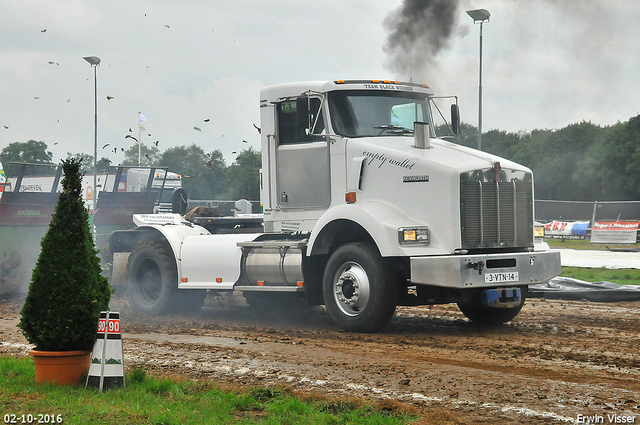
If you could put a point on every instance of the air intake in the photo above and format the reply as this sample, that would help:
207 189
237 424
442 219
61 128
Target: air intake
421 137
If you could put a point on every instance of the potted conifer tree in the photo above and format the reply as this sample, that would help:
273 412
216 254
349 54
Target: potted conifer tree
67 291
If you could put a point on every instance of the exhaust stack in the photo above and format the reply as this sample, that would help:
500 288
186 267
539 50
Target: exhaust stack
421 137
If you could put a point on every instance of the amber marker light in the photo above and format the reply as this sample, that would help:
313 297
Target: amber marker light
409 235
350 197
416 235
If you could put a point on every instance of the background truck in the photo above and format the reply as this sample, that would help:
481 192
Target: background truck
364 209
30 193
165 183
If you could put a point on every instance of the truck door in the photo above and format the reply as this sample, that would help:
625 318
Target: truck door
302 158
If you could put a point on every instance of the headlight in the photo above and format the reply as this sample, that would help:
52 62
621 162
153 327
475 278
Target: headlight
414 235
538 232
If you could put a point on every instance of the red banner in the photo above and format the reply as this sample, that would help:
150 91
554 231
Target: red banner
621 232
616 225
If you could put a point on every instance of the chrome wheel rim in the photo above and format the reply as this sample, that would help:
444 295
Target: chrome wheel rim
351 288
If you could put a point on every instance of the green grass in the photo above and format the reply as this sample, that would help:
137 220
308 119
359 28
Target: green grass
151 400
620 276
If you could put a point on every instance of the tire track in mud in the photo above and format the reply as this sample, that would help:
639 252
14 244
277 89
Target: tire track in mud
551 363
556 360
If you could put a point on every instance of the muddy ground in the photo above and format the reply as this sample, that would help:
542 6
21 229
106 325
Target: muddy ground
556 361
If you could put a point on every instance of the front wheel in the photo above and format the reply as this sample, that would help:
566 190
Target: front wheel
359 289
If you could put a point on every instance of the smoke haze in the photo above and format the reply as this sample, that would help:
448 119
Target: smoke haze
417 31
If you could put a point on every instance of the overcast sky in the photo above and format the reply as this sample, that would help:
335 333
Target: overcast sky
546 64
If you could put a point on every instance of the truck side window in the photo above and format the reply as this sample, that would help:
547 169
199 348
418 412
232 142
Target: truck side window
290 131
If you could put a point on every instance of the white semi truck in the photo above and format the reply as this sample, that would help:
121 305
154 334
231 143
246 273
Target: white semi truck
364 209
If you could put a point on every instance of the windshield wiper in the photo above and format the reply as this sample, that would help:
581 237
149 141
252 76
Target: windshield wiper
392 129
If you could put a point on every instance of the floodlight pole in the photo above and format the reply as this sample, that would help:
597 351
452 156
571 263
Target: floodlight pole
481 16
95 62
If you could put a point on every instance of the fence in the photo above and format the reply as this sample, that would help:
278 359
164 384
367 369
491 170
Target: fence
586 211
567 211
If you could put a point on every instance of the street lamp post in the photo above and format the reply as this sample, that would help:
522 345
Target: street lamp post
481 16
95 62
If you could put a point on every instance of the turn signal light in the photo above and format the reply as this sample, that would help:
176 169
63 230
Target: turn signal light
414 235
350 197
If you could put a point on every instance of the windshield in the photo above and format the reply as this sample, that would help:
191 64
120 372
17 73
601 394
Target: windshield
359 113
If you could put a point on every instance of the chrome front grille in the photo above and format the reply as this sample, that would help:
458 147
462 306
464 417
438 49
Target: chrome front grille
496 214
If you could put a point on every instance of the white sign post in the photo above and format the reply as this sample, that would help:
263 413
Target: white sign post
107 363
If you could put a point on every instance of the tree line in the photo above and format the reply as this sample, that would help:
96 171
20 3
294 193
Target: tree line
580 162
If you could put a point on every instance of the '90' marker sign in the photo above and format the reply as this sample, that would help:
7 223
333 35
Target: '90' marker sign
112 327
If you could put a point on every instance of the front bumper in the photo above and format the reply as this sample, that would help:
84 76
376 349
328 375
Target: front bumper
485 270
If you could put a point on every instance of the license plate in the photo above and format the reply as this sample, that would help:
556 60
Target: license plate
501 277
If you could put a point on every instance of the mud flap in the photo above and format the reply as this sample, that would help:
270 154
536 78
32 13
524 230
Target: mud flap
501 298
119 270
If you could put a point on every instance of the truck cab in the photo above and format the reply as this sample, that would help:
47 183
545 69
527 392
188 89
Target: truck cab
366 208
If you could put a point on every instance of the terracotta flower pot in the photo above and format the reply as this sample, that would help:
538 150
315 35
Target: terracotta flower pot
60 367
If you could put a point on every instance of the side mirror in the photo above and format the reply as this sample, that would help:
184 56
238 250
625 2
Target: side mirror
302 111
455 119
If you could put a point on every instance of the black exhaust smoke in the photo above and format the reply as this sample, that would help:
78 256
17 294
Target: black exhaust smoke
417 31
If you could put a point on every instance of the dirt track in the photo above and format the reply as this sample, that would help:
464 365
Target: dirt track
557 360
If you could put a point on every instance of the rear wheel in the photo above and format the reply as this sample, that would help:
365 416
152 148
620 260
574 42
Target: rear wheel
489 316
152 281
359 289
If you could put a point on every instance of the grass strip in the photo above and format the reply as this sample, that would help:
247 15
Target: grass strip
620 276
152 400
